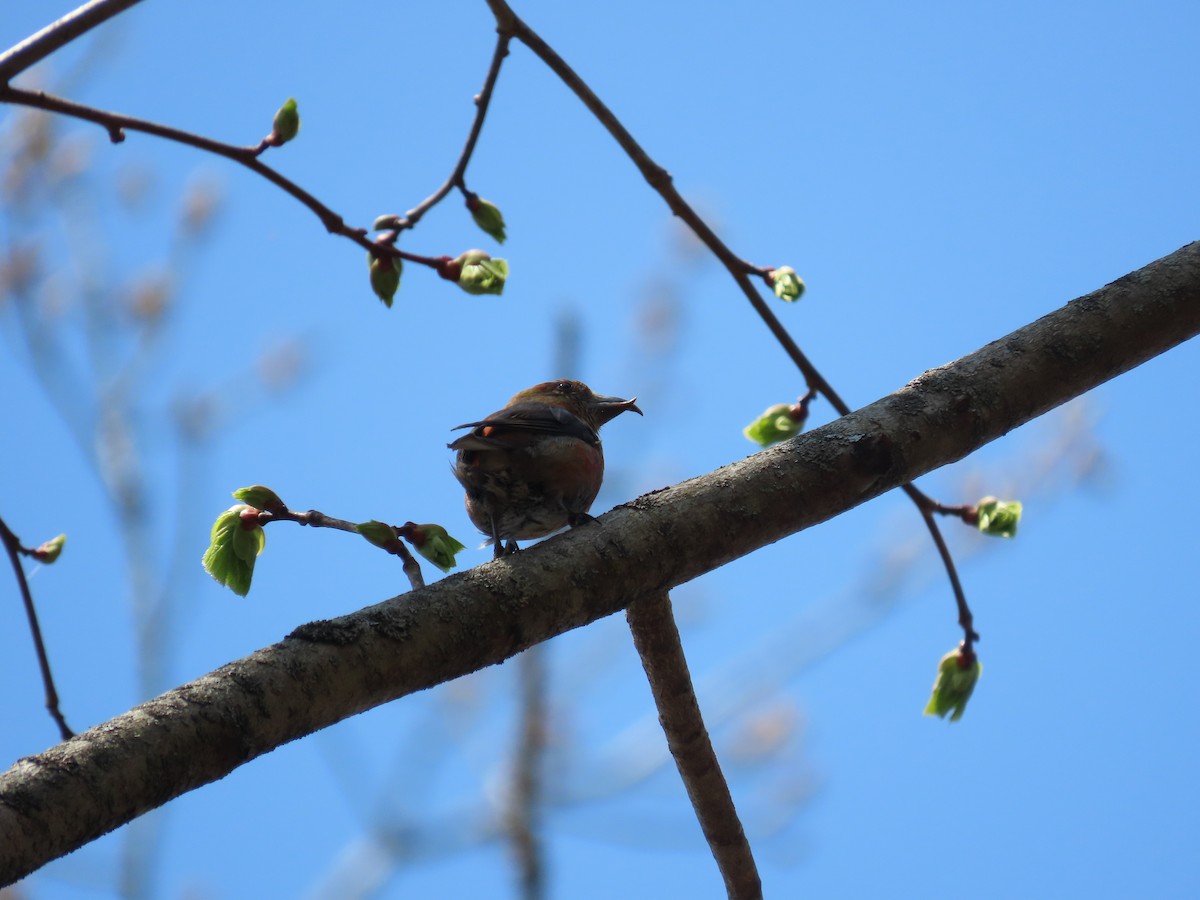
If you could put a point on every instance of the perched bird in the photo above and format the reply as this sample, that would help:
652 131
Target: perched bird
536 465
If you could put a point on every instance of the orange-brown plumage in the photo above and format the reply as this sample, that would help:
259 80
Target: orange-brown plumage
536 465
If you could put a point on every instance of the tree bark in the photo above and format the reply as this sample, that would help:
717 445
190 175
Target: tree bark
325 671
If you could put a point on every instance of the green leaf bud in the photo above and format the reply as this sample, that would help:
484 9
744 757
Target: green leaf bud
774 425
286 125
787 284
378 533
480 274
998 517
386 223
260 497
51 550
487 216
385 276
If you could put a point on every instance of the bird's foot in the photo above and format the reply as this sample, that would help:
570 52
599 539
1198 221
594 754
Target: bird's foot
503 549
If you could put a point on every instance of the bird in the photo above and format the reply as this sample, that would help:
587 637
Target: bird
536 465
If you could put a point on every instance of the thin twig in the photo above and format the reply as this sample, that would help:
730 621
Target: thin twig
13 547
928 507
458 175
739 269
116 124
660 180
657 640
38 46
412 569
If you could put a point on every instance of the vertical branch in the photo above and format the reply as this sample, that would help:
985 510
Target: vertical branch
526 797
526 794
13 547
657 640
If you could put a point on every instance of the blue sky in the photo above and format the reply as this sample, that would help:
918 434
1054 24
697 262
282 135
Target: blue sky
939 175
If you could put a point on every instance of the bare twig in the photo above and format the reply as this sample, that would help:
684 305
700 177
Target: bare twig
13 547
965 620
458 175
657 640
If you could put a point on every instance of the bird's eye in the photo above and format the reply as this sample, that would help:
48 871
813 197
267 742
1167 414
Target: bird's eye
564 387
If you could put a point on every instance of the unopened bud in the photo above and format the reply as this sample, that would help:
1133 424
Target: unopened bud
378 533
385 276
286 124
51 550
260 497
487 216
386 223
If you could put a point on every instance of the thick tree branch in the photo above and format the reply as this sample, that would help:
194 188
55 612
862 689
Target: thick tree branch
324 672
656 637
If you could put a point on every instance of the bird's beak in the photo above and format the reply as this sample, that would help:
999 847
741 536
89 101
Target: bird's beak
608 408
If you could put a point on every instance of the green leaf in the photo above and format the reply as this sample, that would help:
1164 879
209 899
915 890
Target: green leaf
233 548
435 544
955 682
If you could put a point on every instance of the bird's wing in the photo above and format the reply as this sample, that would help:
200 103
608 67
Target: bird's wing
522 423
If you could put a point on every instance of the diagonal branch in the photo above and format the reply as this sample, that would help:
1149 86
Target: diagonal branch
660 180
116 124
58 34
324 672
656 637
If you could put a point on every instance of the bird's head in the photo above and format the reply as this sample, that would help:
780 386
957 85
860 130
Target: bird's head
577 398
